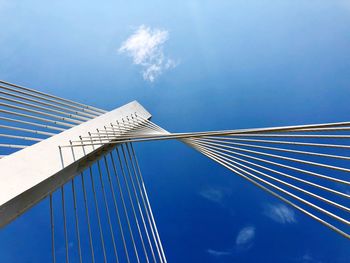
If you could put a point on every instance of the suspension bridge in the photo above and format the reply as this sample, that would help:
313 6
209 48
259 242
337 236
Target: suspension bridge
64 152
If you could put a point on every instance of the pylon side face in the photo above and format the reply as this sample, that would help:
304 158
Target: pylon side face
31 174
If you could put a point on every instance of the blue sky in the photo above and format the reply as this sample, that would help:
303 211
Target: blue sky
233 64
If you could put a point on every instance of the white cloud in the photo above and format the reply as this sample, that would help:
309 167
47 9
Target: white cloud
307 258
245 236
280 213
145 47
244 241
216 194
217 253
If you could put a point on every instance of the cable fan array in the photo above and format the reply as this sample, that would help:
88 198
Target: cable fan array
107 203
305 166
108 206
29 116
118 216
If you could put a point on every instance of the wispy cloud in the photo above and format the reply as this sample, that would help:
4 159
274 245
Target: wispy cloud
146 48
244 241
217 253
245 237
280 213
216 194
307 258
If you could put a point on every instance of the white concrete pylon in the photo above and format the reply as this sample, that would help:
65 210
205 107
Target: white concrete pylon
31 174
